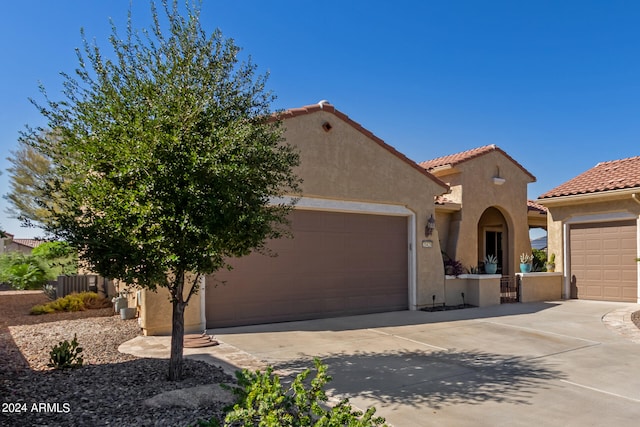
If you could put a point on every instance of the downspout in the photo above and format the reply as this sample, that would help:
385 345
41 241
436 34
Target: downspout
635 197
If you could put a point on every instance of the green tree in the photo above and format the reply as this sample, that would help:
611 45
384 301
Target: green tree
28 175
60 257
168 161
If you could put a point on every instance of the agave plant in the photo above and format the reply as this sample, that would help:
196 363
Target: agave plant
491 259
526 258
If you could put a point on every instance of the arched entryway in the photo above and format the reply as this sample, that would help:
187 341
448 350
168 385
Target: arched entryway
493 239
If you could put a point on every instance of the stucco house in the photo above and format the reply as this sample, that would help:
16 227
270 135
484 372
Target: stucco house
369 232
25 246
358 232
593 230
486 211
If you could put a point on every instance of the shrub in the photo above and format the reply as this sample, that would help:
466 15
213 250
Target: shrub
539 260
66 355
263 401
22 271
41 309
452 267
73 302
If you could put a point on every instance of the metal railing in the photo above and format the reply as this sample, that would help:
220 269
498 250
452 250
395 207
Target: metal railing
509 290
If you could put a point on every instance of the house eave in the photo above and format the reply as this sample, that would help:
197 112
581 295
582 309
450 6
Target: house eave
589 197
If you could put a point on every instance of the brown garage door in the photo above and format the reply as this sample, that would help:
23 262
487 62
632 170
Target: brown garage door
336 264
603 265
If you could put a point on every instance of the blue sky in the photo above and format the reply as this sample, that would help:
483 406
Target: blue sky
554 84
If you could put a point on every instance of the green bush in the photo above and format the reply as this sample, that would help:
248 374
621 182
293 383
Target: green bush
41 309
263 401
73 302
22 271
539 260
60 257
66 355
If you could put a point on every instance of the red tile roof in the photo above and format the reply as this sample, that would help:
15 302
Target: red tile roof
457 158
533 206
326 107
605 176
32 243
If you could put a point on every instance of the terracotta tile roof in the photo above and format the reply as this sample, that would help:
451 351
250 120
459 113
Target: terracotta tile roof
31 243
605 176
457 158
533 206
326 107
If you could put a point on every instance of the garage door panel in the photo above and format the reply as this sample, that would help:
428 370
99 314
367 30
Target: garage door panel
602 260
336 264
610 260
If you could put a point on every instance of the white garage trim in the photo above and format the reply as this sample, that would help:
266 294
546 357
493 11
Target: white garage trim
311 203
595 218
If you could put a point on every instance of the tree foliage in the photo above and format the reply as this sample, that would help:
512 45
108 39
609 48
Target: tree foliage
167 160
22 271
45 262
29 173
61 258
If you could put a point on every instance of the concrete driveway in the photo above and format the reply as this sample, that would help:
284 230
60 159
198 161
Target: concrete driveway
568 363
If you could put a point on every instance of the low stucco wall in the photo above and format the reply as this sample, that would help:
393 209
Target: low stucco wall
453 289
481 290
155 310
540 286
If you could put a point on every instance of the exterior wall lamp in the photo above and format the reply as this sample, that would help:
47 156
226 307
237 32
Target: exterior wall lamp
498 180
431 225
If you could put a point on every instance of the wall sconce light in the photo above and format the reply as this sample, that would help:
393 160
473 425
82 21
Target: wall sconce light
431 225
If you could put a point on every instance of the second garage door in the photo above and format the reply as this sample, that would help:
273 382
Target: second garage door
336 264
603 261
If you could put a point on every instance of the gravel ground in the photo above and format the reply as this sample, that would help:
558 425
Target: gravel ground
111 387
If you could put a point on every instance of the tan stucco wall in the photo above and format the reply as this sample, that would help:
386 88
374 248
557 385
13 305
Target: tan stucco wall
478 193
155 312
345 164
481 290
540 287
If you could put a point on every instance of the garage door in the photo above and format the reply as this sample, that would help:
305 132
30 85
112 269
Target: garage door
603 265
336 264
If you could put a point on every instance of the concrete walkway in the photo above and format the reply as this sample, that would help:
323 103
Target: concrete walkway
565 363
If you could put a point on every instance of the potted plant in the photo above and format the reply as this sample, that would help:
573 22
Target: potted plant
551 264
490 264
525 263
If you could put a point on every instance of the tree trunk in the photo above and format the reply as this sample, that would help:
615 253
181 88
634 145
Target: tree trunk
177 330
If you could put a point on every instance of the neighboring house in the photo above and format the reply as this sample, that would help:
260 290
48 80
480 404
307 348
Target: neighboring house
487 211
11 244
593 230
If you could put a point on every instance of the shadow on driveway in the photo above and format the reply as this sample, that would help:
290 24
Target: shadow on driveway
387 319
433 379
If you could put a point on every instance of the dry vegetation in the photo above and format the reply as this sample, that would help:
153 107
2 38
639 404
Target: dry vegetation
110 389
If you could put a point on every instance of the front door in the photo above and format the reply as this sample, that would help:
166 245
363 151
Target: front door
493 246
